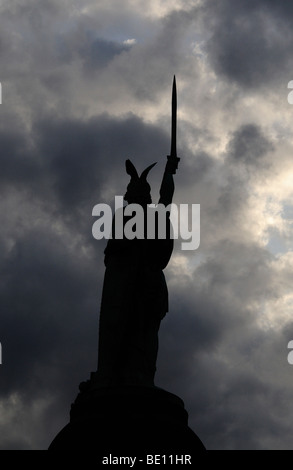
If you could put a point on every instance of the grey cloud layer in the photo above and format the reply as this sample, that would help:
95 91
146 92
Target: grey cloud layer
57 163
251 41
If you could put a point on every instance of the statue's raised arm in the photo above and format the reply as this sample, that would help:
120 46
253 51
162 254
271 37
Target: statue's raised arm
167 185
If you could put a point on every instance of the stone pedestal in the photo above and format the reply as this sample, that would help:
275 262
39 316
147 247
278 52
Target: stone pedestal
127 419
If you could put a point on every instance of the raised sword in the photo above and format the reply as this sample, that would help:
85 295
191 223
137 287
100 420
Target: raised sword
172 158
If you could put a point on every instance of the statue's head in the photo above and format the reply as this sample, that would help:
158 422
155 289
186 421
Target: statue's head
138 190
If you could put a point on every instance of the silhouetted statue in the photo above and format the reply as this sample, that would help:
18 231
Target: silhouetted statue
135 296
119 408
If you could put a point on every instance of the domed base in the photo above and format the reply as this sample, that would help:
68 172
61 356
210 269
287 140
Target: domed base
131 419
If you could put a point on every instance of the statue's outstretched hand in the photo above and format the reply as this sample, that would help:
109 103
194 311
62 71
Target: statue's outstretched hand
172 164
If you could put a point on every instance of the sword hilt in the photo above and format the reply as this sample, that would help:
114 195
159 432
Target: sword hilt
172 164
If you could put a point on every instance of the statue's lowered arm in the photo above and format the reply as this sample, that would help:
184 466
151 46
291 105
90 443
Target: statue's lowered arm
167 186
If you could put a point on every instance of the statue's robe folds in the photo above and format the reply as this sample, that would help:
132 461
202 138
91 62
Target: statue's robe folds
134 301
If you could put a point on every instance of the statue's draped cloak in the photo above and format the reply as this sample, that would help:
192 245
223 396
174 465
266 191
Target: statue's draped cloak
134 301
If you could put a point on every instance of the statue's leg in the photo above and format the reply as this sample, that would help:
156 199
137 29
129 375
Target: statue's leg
113 327
151 342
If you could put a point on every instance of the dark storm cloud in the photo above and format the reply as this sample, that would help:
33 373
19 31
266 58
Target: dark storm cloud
94 52
238 405
47 288
83 159
249 145
71 162
101 52
17 162
251 42
219 356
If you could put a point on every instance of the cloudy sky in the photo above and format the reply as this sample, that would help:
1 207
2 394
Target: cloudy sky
87 84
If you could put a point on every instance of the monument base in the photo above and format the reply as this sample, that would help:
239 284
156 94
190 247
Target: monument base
133 419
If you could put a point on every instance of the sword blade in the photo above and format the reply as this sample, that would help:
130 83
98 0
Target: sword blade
173 152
